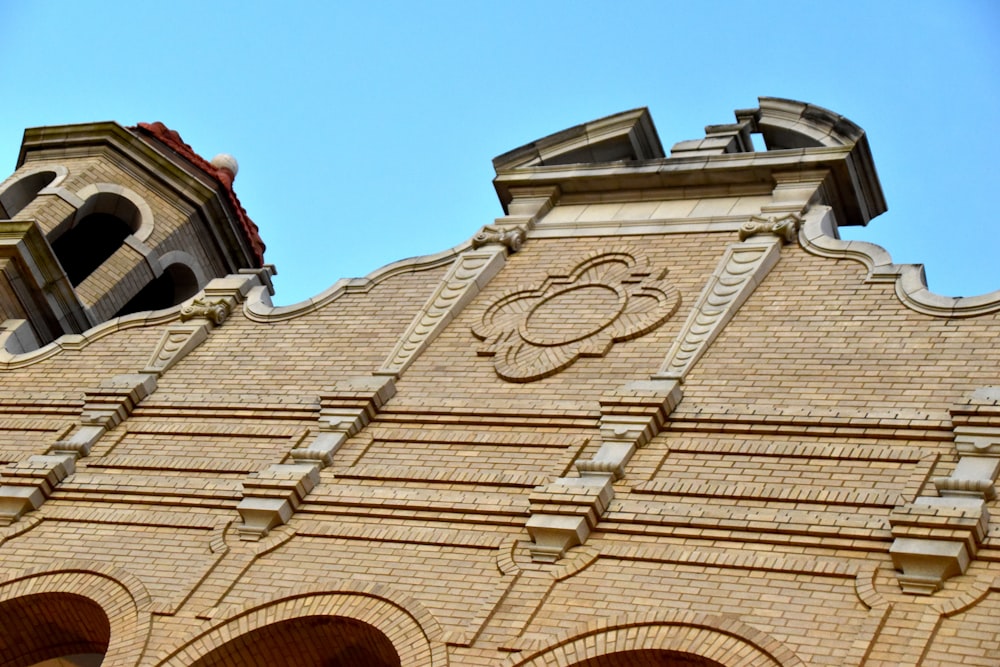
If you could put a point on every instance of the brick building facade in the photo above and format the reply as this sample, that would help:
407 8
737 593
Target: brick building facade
656 414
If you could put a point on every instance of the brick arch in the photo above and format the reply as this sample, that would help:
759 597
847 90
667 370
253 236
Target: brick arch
64 610
664 638
390 629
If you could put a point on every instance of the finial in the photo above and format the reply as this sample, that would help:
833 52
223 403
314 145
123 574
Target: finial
227 162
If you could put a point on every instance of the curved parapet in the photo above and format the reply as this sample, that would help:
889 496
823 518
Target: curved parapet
259 308
18 346
818 236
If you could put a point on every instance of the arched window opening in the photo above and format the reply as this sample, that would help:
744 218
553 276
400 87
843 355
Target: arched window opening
53 630
20 193
89 244
174 285
78 660
649 658
310 641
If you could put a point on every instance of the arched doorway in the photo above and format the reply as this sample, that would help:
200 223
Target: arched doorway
649 658
669 638
53 629
308 641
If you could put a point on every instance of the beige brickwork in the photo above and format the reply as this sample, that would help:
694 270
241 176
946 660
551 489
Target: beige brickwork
656 414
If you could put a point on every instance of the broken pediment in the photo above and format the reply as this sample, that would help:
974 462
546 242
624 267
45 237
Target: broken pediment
629 135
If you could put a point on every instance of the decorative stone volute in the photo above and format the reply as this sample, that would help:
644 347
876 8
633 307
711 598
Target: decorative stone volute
512 237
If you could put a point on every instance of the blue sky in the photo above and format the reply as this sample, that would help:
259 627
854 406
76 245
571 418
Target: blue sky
365 131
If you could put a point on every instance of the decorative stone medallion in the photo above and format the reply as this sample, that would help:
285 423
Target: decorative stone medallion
608 297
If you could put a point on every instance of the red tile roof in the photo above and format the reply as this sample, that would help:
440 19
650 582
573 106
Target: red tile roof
225 177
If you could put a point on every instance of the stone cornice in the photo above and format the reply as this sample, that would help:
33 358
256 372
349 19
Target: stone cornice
850 185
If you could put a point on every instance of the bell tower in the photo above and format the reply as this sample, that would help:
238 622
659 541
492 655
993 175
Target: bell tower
100 221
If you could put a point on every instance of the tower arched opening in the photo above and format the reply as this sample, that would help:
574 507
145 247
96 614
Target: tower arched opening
20 193
177 283
89 244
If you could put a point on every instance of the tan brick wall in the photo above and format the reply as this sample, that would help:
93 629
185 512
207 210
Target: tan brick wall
752 529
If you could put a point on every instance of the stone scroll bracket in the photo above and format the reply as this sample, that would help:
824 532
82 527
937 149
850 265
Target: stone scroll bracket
271 496
207 310
470 272
564 512
938 536
743 267
24 486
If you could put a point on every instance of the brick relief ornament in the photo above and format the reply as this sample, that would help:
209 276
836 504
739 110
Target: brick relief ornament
608 297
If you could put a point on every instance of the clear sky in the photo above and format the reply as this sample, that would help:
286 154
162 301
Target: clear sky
365 130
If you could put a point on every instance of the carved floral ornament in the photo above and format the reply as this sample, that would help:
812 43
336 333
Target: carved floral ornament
608 297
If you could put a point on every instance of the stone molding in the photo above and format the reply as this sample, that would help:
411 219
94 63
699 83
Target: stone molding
91 194
181 177
234 288
785 228
53 187
818 236
472 270
175 343
12 357
214 310
530 204
27 484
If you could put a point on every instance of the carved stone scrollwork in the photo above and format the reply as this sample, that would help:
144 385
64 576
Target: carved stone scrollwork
215 310
785 228
512 238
